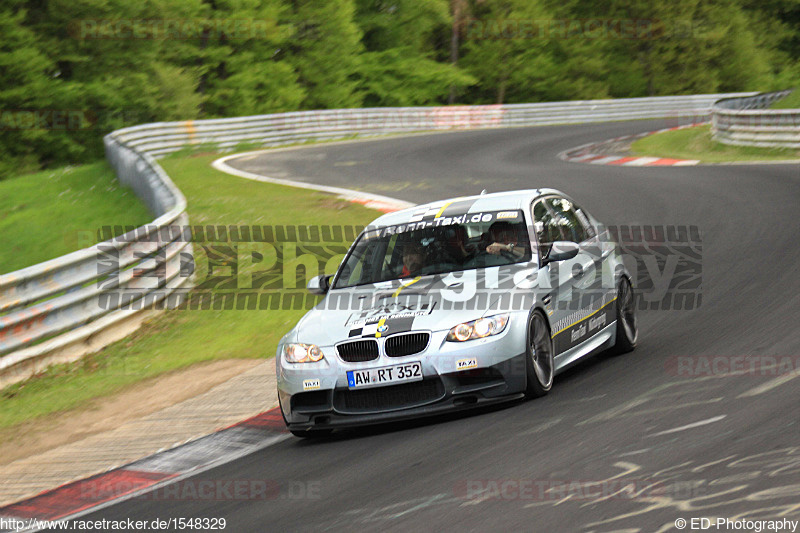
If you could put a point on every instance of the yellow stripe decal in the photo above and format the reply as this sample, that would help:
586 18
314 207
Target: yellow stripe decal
584 318
442 209
401 287
378 331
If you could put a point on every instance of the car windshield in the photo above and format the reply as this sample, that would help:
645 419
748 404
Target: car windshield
434 246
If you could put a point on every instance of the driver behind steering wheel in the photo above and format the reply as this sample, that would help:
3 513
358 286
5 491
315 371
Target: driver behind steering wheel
505 239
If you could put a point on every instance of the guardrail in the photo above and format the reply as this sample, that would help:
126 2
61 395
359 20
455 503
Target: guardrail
57 310
287 128
54 311
744 121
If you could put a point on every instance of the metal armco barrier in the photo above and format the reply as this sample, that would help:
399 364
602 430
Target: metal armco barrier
744 121
50 312
296 127
48 309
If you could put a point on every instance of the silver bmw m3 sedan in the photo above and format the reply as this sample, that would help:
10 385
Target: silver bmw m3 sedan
454 304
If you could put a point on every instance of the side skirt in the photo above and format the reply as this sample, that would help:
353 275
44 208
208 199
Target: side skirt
603 339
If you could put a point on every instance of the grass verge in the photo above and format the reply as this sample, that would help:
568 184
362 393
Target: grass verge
790 102
55 212
180 338
696 143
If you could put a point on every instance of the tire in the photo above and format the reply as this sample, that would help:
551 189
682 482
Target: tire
539 359
627 323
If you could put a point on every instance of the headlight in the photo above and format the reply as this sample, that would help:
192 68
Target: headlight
301 353
478 329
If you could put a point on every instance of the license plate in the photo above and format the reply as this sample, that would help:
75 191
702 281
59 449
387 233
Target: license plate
387 375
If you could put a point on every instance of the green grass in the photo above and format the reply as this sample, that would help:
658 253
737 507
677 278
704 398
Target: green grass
178 338
790 102
696 143
52 213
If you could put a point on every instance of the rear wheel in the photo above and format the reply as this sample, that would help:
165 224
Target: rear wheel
627 323
539 361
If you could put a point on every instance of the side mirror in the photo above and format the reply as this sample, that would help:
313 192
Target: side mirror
561 251
319 284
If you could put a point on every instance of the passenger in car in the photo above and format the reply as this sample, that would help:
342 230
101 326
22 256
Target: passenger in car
413 259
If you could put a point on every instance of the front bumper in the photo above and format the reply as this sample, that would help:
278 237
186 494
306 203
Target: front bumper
316 395
341 407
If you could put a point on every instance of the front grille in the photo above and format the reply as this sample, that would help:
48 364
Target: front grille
358 351
400 345
390 397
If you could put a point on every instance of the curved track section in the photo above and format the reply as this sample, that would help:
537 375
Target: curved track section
620 443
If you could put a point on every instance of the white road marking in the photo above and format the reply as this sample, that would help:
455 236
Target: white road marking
641 161
582 157
635 452
346 194
606 160
689 426
769 385
584 400
542 427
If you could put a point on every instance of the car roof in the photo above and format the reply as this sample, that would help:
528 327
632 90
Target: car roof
497 201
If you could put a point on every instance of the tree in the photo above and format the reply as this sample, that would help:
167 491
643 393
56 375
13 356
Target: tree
245 71
25 87
520 52
326 53
400 65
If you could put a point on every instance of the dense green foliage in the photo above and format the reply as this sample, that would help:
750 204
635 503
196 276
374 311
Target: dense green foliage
102 64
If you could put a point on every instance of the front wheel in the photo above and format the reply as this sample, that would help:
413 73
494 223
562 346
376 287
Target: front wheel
627 324
539 361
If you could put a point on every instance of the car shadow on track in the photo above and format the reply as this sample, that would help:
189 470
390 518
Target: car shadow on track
572 376
384 428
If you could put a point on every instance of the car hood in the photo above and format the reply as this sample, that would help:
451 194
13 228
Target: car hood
433 302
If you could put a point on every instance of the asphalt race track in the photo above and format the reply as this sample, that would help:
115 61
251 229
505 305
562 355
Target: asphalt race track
620 443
